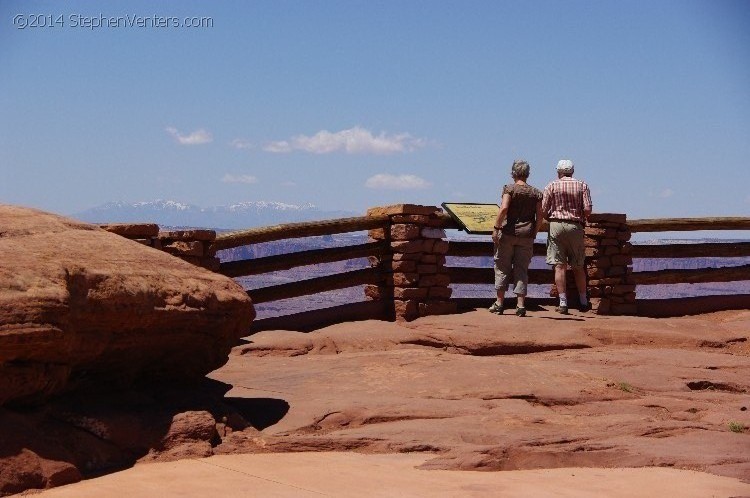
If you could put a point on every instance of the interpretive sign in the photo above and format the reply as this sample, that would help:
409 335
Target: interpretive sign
473 217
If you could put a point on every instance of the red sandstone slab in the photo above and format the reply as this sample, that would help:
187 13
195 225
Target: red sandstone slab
410 292
351 474
608 217
193 234
183 247
403 209
404 231
411 246
132 230
420 219
481 391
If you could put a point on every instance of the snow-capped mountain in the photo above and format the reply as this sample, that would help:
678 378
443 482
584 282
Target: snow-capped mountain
234 216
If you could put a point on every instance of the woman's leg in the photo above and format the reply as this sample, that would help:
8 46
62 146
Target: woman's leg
503 268
523 250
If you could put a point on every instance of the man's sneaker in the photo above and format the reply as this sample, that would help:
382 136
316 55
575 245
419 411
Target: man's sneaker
496 308
583 308
520 311
563 310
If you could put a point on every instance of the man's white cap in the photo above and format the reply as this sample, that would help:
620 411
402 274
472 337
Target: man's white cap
565 166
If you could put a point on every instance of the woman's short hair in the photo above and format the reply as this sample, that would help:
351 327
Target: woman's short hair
520 169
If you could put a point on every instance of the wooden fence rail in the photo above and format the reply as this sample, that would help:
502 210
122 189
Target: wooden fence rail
689 224
315 285
280 262
480 248
703 250
693 276
699 304
293 230
462 275
659 224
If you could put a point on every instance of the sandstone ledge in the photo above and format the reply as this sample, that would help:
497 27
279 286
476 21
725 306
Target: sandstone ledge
475 391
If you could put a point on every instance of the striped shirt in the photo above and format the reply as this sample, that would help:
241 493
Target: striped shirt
566 199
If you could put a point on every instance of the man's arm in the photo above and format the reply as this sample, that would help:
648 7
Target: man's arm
587 205
546 202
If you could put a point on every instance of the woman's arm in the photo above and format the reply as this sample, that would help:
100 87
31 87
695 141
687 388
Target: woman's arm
539 217
501 216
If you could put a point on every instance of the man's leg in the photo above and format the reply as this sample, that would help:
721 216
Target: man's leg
556 255
560 283
578 259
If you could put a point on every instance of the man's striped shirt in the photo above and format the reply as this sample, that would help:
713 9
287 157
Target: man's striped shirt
566 199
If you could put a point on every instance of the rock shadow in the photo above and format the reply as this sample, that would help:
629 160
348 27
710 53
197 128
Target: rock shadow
97 431
260 413
564 318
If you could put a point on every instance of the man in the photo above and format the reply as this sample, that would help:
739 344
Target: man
567 204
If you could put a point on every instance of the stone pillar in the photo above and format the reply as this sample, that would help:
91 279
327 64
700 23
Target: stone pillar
193 246
415 278
609 265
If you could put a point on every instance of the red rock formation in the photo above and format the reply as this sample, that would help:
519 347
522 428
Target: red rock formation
477 391
81 306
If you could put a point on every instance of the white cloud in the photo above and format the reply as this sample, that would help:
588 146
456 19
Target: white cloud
667 192
288 184
355 140
397 182
228 178
278 147
241 143
197 137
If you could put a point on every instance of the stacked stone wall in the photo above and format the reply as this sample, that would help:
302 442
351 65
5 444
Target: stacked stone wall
193 246
609 263
413 267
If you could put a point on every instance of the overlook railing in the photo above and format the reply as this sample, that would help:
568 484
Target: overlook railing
393 264
685 305
310 319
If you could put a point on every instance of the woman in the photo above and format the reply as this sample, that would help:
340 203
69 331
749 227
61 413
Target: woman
521 212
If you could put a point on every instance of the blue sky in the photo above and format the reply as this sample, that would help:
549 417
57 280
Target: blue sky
353 104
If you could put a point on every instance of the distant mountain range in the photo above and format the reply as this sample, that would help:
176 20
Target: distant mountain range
234 216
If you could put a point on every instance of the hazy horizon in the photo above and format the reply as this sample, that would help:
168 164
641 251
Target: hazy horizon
348 105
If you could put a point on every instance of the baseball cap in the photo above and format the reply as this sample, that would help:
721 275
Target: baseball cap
565 165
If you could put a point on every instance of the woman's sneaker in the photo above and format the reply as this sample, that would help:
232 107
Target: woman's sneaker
563 310
520 311
496 308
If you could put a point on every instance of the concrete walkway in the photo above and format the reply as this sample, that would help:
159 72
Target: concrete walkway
386 475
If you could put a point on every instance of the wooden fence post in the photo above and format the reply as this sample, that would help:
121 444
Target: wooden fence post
415 278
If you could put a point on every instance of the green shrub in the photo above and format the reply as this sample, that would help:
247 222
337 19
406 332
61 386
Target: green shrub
736 427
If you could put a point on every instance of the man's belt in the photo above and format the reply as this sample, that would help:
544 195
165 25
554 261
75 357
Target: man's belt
559 220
